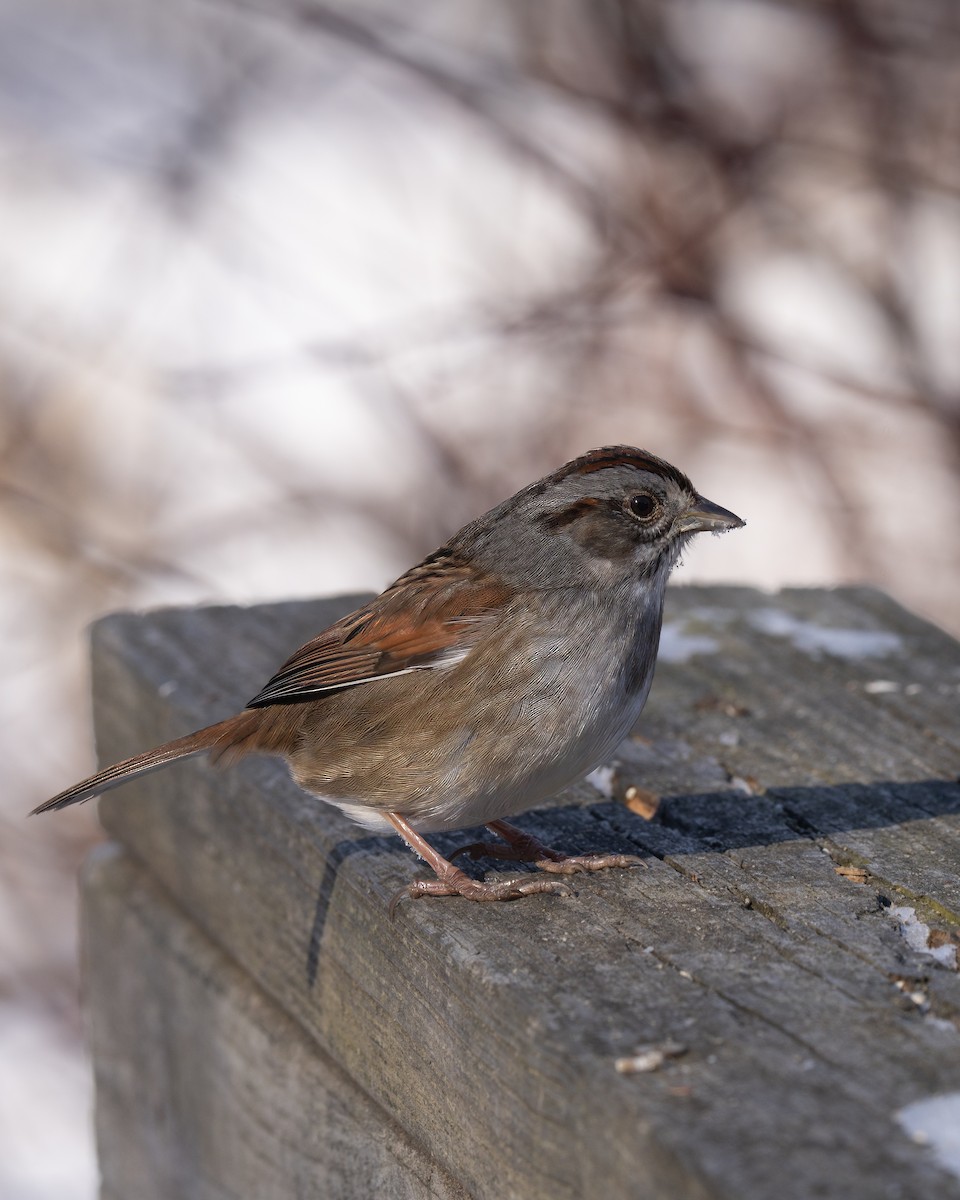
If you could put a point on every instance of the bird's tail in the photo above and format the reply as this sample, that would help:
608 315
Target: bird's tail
226 740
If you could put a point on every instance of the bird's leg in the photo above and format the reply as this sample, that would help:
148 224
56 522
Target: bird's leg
524 847
451 881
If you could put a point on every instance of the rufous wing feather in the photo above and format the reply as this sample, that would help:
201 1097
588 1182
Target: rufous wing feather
415 625
429 618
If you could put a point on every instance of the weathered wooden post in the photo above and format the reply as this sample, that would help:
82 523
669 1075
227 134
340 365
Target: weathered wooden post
743 1019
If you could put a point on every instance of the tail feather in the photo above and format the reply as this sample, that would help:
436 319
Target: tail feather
218 738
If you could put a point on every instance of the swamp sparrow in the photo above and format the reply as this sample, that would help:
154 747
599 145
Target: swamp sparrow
505 666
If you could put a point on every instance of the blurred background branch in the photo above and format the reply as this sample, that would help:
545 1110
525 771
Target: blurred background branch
290 290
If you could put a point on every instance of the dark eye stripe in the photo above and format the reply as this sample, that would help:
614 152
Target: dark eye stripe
566 516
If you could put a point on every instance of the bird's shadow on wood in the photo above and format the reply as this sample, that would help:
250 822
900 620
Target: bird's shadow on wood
699 823
337 856
374 844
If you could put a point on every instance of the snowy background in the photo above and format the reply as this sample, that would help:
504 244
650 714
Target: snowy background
290 290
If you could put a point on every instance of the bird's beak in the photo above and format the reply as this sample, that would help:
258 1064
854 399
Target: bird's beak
703 516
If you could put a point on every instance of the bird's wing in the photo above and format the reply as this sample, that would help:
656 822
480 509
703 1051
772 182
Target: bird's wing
429 618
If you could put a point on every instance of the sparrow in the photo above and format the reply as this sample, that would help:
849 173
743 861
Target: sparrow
503 667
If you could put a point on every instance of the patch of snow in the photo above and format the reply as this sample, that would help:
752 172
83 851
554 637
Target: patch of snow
917 936
935 1122
46 1097
679 647
602 780
817 640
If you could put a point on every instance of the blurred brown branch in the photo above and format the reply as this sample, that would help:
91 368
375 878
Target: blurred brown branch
727 229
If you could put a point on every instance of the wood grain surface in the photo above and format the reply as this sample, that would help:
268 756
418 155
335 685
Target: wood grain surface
799 756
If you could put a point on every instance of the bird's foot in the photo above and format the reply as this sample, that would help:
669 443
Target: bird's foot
519 846
451 881
573 864
456 883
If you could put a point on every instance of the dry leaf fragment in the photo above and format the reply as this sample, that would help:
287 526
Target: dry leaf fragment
854 874
649 1058
642 801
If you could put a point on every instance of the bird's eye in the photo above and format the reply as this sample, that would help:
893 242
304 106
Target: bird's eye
643 506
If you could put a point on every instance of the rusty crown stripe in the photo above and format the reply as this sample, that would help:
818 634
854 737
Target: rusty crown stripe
623 456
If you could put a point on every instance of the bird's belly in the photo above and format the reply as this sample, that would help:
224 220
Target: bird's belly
548 750
518 746
461 800
487 777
